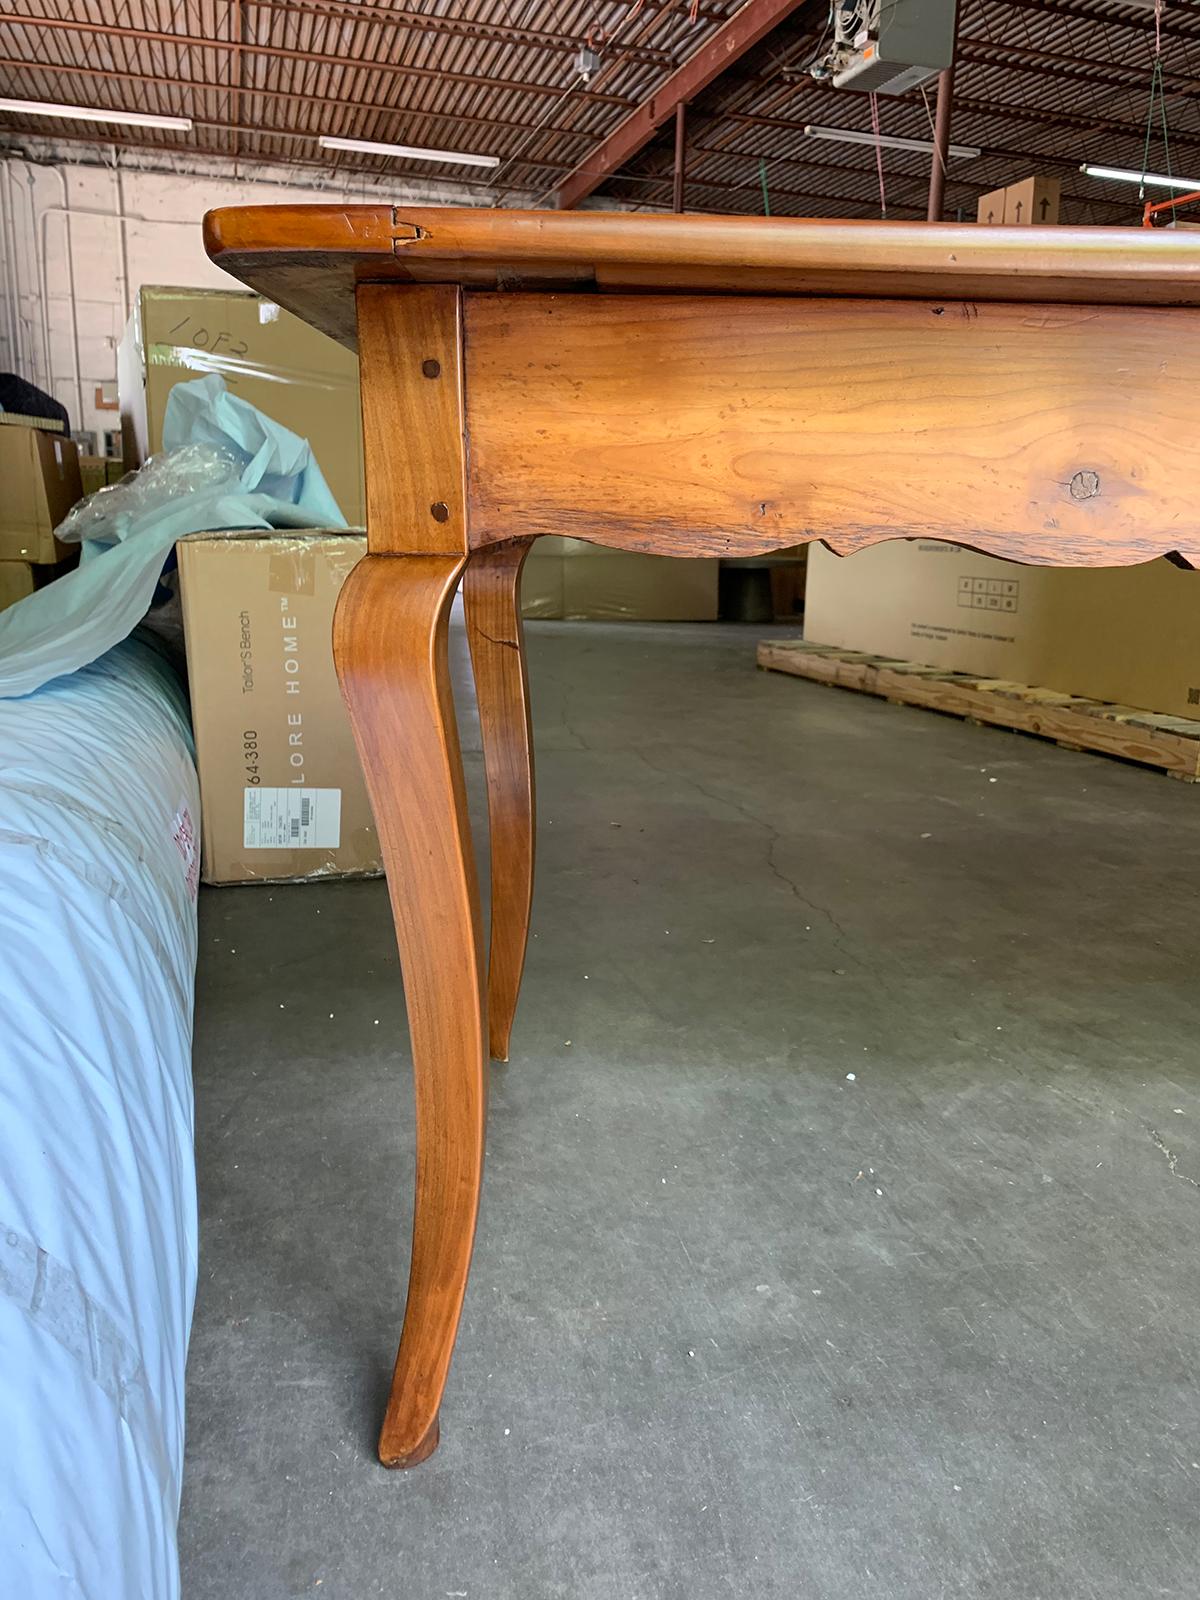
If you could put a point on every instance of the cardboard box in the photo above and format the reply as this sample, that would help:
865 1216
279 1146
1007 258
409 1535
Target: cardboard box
21 578
570 578
16 581
40 474
1130 635
788 582
294 374
93 471
991 207
282 792
542 583
1032 203
17 419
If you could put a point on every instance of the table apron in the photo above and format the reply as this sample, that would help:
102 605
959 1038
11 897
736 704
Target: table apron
695 425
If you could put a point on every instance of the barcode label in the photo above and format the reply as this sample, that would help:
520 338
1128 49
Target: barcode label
292 819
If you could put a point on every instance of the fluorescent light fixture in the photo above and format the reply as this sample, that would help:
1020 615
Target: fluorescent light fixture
124 119
1153 180
965 152
408 151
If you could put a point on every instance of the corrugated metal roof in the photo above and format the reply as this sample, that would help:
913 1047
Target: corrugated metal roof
1041 85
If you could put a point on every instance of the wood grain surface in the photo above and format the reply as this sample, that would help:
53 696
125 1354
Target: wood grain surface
412 405
390 646
492 603
693 426
309 258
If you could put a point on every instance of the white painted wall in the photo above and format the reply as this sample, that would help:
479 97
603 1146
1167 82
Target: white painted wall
77 241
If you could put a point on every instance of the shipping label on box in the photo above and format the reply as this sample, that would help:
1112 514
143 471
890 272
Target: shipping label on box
291 819
282 791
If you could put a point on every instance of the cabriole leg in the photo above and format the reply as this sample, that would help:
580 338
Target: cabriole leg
390 645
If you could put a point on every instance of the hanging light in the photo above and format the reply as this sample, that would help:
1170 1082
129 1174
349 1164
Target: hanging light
1151 180
407 151
965 152
124 119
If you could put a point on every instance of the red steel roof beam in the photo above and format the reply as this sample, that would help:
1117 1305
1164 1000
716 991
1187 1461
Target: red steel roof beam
741 33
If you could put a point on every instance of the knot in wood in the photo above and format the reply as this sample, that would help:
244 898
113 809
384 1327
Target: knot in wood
1085 484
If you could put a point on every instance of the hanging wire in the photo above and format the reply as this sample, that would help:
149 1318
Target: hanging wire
575 87
1158 95
878 155
937 154
762 178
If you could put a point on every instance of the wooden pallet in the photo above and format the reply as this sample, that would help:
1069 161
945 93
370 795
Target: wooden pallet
1169 743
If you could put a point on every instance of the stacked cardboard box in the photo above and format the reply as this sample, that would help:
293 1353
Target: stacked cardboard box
1033 203
40 473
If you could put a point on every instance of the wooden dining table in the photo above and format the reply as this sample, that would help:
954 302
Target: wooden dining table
684 385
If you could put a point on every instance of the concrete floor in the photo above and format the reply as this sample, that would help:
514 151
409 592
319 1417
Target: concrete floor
839 1232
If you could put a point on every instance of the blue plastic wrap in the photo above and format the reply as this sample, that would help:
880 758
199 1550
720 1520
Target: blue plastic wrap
99 811
223 465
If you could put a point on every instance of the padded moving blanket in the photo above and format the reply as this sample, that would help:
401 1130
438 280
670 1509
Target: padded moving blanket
99 829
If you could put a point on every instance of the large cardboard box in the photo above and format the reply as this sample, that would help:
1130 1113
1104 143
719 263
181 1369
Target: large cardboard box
21 578
294 374
93 472
282 793
586 582
39 472
1129 635
16 581
1033 203
542 581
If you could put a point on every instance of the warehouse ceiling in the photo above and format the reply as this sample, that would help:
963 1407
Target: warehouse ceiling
1041 86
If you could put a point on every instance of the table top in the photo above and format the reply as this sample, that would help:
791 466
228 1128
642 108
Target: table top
309 259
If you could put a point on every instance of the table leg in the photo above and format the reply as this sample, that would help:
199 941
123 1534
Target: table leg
492 597
390 645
